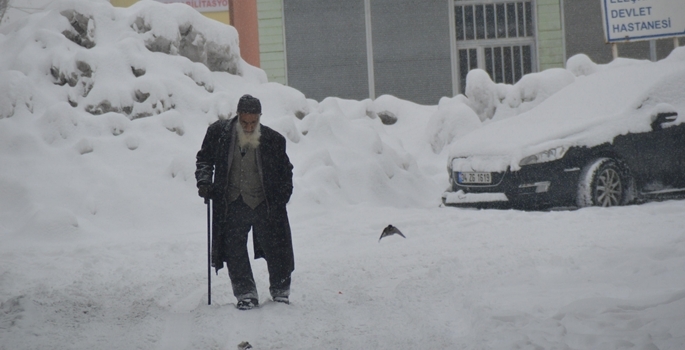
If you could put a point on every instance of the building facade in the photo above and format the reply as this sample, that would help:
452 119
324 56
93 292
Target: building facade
422 50
417 50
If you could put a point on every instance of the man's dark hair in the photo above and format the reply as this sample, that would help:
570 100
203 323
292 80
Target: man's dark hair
249 104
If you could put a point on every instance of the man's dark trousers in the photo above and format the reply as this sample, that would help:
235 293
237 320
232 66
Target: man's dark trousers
240 219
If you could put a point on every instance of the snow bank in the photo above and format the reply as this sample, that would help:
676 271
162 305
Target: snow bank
16 92
453 119
100 104
498 101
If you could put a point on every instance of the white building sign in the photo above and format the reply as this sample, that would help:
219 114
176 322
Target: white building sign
633 20
202 5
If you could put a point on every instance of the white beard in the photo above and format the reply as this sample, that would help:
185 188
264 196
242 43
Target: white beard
248 140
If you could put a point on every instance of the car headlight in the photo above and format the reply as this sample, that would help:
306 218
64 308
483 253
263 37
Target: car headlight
545 156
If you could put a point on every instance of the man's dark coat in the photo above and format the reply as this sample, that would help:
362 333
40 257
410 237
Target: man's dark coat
276 172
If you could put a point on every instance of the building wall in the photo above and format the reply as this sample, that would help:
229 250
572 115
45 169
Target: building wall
272 40
122 3
223 17
326 48
550 35
323 51
411 49
244 17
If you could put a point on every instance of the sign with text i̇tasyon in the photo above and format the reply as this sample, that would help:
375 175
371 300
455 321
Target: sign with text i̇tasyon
202 5
634 20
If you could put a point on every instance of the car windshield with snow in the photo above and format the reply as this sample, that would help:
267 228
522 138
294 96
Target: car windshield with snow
613 137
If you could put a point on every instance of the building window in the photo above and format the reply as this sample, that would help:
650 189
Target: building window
497 36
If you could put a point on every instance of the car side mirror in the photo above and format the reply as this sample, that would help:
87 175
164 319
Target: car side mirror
663 118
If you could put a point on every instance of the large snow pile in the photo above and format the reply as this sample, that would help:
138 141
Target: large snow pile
84 80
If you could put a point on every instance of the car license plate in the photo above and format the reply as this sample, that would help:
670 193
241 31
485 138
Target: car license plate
475 178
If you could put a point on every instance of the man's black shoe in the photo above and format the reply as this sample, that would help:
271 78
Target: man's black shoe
247 304
283 300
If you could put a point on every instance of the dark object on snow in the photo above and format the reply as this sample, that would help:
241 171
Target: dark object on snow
209 253
214 162
622 167
233 218
247 304
282 299
390 230
244 346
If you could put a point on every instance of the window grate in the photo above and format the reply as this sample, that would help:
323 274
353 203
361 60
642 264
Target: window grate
494 21
497 36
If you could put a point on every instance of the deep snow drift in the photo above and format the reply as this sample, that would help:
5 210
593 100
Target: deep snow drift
103 244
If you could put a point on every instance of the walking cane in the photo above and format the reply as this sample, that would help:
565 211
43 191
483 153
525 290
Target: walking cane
209 253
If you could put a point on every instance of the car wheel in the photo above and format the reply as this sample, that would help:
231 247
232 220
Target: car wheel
603 183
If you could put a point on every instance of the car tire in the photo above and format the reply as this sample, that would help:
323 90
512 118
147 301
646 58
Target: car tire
603 183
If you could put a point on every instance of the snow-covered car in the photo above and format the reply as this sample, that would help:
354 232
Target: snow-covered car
613 137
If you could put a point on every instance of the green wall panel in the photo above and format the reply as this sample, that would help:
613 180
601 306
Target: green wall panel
271 42
550 36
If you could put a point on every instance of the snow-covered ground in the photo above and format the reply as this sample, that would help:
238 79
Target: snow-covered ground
104 238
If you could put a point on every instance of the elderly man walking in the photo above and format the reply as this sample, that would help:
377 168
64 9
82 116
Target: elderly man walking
243 167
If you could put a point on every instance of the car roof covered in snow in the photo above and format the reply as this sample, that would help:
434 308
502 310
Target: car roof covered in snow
590 111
